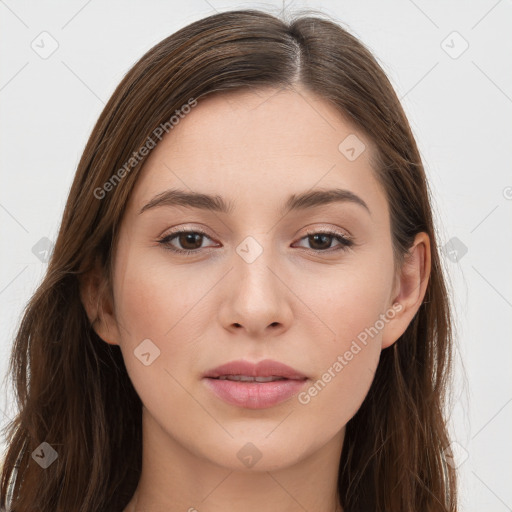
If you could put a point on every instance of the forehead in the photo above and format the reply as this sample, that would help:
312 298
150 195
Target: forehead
261 145
271 123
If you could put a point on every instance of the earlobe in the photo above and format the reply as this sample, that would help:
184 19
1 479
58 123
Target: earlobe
412 285
98 305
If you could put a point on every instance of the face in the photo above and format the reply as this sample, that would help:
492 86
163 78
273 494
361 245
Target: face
309 284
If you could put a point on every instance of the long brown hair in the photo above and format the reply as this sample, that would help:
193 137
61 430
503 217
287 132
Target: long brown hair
72 388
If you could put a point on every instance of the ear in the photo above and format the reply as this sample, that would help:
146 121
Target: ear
409 290
98 304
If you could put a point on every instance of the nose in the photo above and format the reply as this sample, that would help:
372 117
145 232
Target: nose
257 299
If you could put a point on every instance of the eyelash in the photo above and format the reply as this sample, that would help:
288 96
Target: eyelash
345 242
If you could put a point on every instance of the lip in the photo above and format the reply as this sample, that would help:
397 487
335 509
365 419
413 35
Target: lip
255 395
265 368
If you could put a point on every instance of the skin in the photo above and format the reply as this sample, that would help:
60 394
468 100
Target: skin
292 303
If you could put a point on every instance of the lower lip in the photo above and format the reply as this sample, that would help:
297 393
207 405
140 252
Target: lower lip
255 395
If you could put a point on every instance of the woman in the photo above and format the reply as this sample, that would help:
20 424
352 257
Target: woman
245 305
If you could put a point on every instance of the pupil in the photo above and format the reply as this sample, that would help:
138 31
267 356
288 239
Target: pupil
325 237
189 237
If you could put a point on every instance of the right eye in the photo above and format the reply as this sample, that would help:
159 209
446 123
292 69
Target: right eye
190 240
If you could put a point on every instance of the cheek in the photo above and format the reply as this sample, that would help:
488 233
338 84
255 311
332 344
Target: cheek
344 374
156 300
348 361
351 302
163 306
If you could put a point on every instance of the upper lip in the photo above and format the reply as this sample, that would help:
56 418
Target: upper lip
265 368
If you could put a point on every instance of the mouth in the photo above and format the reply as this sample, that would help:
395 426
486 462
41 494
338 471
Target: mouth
254 392
247 378
254 386
247 371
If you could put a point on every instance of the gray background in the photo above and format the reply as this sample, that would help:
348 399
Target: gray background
459 103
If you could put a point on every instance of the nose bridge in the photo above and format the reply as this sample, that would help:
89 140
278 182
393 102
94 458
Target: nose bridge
253 258
257 298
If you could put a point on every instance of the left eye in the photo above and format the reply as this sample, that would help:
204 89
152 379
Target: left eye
326 238
191 241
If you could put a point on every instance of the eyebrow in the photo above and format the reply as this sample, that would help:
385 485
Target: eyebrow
295 202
